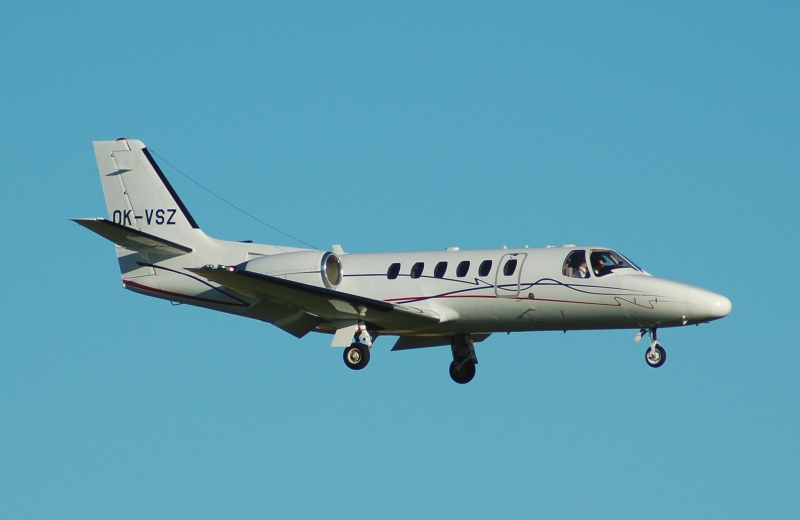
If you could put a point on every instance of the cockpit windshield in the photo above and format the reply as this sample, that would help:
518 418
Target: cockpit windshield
605 262
600 263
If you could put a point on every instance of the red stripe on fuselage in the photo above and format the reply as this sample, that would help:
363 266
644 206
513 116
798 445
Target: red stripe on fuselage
421 298
184 296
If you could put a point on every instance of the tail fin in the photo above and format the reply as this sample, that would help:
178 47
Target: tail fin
138 195
148 221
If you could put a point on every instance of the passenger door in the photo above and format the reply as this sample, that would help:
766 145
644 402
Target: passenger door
509 270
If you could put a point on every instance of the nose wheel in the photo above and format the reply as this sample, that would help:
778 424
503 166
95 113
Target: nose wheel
655 356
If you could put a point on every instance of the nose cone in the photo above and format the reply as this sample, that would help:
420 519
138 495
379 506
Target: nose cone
706 305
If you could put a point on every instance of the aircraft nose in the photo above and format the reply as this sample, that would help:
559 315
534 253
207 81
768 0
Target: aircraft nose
707 306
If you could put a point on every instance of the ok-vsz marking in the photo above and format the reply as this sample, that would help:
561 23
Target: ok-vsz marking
424 299
157 217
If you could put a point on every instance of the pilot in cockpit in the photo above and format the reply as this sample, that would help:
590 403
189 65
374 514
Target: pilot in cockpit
598 264
581 271
575 265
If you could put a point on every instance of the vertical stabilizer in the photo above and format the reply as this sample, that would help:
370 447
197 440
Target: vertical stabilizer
138 194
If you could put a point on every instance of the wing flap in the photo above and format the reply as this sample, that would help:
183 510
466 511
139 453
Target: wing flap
289 319
412 342
132 239
324 303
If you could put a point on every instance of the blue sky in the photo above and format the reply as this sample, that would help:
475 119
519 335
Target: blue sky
670 133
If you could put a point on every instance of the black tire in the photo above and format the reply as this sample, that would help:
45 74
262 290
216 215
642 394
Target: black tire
356 356
658 359
462 371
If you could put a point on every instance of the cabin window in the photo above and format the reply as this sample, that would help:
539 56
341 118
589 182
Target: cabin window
510 267
462 269
393 271
485 267
440 270
416 270
575 265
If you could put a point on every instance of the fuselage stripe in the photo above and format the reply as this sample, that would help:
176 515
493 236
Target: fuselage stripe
617 299
125 283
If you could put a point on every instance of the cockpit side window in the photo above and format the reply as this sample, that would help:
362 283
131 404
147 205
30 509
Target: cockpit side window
575 265
605 262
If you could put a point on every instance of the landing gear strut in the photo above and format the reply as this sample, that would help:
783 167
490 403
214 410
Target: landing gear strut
462 369
356 356
655 355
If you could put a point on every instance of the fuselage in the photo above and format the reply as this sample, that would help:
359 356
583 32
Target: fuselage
472 291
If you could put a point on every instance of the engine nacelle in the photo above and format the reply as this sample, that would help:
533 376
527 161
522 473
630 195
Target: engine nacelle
318 268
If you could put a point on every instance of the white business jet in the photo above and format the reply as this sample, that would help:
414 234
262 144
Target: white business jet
426 299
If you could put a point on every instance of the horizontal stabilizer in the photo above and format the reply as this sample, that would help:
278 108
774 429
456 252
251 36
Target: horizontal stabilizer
324 303
132 239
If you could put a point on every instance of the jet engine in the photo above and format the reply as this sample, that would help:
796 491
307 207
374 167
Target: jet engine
318 268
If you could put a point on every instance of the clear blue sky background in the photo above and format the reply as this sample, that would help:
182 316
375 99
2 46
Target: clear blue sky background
668 132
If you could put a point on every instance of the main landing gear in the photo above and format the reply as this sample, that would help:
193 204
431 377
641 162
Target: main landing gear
655 355
356 356
462 369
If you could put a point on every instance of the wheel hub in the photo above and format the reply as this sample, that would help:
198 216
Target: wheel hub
354 356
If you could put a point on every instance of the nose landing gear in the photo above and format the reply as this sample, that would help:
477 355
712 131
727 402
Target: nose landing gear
655 356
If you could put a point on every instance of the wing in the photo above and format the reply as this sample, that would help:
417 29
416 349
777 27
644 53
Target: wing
330 305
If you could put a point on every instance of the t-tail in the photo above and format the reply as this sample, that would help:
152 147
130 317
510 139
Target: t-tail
147 219
157 238
138 195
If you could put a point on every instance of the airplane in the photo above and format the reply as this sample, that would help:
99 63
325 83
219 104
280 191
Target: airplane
426 299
